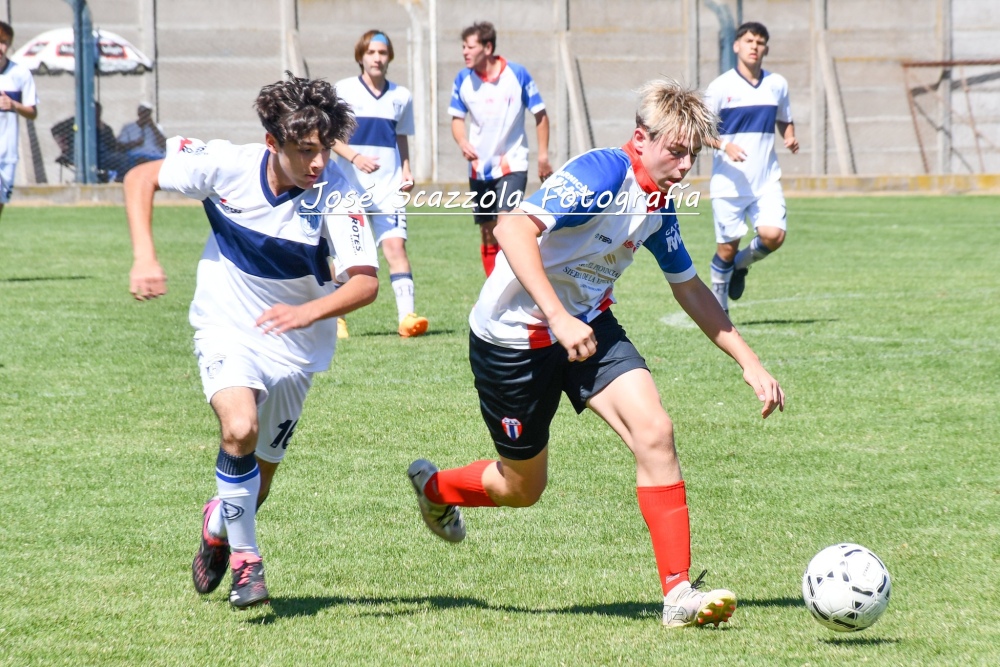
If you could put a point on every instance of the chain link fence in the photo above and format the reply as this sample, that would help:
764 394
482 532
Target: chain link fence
857 109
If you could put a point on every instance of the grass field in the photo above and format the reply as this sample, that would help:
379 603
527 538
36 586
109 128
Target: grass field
880 317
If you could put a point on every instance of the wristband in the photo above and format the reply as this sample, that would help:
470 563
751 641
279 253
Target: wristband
722 146
355 157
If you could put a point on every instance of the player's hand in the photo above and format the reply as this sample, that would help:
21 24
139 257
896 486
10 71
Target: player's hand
365 163
735 153
6 104
792 144
147 280
544 168
281 317
576 336
468 152
407 184
766 388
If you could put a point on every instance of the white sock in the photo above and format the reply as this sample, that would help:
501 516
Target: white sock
216 524
238 481
402 287
722 273
754 252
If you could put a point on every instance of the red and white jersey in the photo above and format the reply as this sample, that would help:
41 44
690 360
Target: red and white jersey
17 84
380 120
494 113
265 249
748 114
598 211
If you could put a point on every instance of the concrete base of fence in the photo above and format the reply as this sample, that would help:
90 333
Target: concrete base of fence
110 194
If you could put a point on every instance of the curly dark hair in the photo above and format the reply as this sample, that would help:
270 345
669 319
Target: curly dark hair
292 109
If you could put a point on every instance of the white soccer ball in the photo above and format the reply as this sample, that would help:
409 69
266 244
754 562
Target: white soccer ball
846 587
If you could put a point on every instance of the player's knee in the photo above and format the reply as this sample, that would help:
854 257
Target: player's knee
240 433
771 237
526 493
655 438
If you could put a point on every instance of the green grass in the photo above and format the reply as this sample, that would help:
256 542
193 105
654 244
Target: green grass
879 317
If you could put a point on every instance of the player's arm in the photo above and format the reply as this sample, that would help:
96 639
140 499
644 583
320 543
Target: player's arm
542 130
362 162
403 144
8 103
787 131
517 233
358 291
700 304
458 134
146 279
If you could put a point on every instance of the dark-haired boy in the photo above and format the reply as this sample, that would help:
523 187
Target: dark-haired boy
752 104
275 273
17 98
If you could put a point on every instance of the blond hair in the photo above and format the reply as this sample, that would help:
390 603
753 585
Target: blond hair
668 109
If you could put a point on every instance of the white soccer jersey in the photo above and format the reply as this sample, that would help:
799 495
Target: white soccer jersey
494 113
748 114
595 210
263 249
17 84
380 119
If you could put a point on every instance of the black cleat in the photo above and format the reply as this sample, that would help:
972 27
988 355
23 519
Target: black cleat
212 560
737 283
248 588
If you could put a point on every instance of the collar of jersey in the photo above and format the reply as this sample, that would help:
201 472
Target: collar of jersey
642 176
759 81
371 92
271 198
503 66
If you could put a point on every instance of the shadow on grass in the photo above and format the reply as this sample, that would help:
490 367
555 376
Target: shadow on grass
860 641
286 608
38 279
750 323
394 334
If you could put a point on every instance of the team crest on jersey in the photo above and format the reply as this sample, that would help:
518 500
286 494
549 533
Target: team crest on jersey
512 427
309 219
230 511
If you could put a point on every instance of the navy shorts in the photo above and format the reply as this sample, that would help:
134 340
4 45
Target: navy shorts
519 390
498 196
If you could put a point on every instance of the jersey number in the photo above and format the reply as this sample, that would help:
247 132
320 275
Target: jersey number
286 429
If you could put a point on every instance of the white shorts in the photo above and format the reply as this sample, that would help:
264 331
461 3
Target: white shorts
7 171
388 225
731 213
281 389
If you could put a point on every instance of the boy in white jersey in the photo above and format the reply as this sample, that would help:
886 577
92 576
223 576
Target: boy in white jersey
17 98
752 103
542 326
276 270
376 159
492 94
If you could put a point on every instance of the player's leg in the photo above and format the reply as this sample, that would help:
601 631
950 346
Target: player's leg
485 216
7 171
730 226
768 216
618 387
519 392
390 230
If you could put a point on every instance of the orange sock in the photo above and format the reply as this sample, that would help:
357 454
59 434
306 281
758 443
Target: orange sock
489 256
666 513
460 486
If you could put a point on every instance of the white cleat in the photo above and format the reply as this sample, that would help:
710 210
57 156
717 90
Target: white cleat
445 521
685 605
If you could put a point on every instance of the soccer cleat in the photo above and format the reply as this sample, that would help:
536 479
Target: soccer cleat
342 328
212 559
738 283
248 588
445 521
685 605
413 325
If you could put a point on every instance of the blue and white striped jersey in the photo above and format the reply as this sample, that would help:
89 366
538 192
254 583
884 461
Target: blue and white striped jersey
598 210
263 249
380 119
748 114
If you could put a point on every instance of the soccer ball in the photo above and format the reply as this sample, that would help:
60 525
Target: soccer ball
846 587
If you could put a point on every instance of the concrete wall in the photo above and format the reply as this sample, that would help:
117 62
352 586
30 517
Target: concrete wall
212 58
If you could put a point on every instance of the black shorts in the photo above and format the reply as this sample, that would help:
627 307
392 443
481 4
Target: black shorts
502 197
519 390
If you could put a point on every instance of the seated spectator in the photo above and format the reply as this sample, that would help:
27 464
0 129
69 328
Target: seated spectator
143 140
112 160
